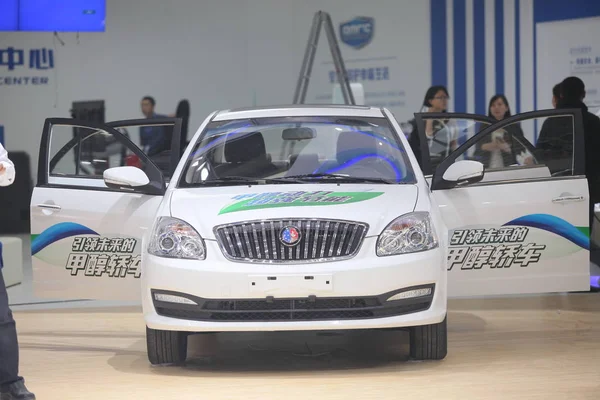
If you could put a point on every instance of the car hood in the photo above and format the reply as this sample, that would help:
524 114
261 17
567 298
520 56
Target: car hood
377 205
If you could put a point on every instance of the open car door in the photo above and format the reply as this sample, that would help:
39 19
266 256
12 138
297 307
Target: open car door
440 134
523 227
87 234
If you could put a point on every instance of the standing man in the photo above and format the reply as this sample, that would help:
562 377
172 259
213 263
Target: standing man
572 96
12 386
555 142
154 139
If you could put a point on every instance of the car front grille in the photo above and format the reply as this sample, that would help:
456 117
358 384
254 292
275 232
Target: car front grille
319 240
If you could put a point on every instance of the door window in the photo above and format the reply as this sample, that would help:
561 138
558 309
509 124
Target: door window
440 134
158 138
75 154
507 154
81 152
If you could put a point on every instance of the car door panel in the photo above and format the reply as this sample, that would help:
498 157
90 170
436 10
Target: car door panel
521 229
509 239
87 237
88 244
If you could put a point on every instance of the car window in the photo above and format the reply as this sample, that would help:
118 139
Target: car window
87 152
507 154
155 140
282 148
444 136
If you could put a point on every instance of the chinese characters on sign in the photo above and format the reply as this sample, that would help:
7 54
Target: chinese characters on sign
14 60
584 59
96 257
363 74
492 248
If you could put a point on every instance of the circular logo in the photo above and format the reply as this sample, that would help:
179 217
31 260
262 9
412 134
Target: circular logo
290 236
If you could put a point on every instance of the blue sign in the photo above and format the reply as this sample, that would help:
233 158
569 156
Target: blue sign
358 32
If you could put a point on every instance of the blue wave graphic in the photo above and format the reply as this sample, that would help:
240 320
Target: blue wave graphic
58 232
555 225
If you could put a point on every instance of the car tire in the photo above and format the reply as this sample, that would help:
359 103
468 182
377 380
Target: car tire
429 342
166 347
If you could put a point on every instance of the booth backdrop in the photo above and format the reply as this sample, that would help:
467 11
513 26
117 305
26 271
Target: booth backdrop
236 53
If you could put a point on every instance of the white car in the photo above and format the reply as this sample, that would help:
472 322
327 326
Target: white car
303 218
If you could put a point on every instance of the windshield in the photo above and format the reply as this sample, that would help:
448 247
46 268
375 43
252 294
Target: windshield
297 150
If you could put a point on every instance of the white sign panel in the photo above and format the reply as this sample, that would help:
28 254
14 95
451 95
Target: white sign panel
568 48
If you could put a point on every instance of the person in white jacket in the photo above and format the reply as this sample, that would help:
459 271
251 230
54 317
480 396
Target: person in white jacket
7 168
12 386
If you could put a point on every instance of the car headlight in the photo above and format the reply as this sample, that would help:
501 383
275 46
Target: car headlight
174 238
409 233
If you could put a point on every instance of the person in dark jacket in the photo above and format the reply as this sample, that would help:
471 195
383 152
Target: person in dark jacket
555 144
441 134
12 386
501 148
154 139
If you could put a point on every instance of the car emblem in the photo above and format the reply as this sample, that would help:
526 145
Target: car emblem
290 236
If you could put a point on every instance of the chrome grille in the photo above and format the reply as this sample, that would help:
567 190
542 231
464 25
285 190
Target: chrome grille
320 240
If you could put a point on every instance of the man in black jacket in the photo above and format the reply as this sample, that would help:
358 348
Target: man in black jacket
556 138
12 386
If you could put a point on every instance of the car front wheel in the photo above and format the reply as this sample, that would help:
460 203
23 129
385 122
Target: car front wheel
429 342
166 347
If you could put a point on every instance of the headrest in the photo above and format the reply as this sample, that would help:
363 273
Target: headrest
351 144
250 147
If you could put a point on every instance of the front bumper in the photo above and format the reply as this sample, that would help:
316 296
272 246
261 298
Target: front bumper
352 294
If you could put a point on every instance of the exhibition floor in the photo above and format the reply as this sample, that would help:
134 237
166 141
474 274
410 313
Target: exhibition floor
530 347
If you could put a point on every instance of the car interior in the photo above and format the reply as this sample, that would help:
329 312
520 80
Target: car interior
299 151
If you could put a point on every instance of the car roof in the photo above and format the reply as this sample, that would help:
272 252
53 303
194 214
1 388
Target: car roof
299 110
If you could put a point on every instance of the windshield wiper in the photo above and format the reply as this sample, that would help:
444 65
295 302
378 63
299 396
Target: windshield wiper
248 180
292 179
340 177
233 179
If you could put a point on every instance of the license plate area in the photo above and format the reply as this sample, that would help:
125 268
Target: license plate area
290 285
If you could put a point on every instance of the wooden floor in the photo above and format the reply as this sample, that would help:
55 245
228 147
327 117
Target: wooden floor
517 348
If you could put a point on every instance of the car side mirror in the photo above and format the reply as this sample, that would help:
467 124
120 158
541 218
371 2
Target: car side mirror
464 172
125 177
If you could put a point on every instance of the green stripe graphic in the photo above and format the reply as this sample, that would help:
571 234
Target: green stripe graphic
283 200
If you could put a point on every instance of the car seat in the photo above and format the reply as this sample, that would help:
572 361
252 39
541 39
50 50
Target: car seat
246 156
302 164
